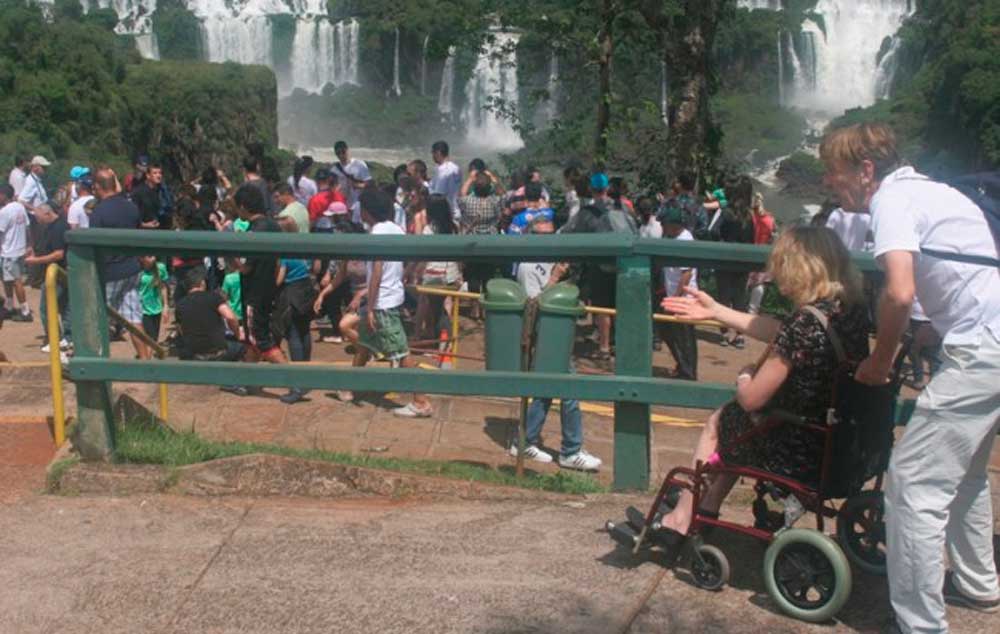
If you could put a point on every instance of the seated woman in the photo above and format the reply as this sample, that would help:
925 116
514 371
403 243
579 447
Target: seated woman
811 267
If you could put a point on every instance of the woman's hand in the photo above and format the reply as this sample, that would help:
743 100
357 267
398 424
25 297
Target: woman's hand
696 305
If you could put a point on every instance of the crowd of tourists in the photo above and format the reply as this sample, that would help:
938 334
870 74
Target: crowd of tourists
921 231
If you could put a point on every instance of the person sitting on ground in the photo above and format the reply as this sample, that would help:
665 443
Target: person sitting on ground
536 277
203 317
796 376
381 330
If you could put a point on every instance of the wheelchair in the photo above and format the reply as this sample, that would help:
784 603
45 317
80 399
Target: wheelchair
806 571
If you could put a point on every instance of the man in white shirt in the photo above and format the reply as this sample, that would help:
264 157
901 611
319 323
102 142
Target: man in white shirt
353 176
447 179
18 174
852 228
33 193
13 246
937 493
77 217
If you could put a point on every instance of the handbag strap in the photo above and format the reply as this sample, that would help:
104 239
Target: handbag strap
838 347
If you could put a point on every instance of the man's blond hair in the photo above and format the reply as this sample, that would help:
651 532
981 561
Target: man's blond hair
875 142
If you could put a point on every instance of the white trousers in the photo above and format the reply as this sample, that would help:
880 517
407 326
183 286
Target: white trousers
938 494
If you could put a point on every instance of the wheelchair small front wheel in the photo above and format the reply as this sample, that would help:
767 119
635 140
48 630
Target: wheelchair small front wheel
807 574
861 531
709 567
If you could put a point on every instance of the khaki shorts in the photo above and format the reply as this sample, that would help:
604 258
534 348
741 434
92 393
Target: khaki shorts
13 269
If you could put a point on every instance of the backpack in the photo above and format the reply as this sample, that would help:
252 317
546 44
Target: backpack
984 190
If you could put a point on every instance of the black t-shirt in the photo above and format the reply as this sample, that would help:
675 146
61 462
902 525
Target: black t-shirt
147 199
117 212
201 324
259 287
265 191
54 239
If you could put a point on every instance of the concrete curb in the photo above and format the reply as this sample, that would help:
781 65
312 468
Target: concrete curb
262 475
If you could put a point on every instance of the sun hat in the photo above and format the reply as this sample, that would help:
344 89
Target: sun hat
336 208
41 161
599 181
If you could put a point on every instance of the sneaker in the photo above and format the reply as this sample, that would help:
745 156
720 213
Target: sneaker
238 390
954 596
46 348
65 344
21 317
345 396
725 342
332 339
533 452
412 411
292 397
739 343
581 461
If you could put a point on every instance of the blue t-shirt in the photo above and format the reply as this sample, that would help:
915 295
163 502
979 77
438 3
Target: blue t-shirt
295 270
523 220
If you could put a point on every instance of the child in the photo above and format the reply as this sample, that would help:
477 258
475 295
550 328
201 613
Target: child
152 294
232 290
381 329
680 338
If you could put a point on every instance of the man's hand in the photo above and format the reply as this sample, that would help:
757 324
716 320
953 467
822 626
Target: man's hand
873 372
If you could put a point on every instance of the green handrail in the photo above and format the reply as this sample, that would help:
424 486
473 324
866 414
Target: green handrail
632 389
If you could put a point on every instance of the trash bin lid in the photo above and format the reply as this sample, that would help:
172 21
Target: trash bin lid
561 299
503 295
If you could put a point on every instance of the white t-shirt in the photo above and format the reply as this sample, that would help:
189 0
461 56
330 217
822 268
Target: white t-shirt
16 180
852 228
672 274
534 276
910 211
33 193
356 169
77 214
652 229
447 181
390 293
14 230
306 189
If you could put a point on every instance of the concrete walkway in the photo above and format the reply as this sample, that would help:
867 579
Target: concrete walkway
165 564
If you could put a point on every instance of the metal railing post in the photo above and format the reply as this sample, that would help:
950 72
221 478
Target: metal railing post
95 438
633 358
55 365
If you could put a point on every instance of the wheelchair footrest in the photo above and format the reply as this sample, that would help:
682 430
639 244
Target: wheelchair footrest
622 533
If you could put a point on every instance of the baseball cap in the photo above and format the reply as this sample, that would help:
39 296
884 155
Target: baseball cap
599 181
322 174
79 172
40 160
142 161
336 208
671 214
87 182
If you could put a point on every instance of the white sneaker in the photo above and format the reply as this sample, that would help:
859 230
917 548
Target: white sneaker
533 452
412 411
64 344
46 348
581 461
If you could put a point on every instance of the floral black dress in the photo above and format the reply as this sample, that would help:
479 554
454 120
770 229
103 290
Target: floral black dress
789 450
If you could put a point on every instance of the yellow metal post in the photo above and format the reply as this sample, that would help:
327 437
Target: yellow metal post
163 401
455 301
55 365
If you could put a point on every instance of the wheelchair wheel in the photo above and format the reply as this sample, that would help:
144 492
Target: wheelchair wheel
709 567
807 574
861 531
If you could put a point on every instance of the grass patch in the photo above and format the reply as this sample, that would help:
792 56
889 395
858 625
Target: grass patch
57 471
139 444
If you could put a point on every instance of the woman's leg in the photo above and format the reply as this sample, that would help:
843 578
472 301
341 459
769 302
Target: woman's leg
680 518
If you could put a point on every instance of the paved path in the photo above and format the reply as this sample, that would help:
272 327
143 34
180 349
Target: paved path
166 564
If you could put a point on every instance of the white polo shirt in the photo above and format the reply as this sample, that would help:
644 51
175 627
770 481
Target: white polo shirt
852 228
910 211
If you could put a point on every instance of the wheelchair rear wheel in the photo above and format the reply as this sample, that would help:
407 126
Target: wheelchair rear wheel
861 531
807 574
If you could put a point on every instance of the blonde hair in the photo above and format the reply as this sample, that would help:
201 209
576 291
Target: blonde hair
875 142
811 264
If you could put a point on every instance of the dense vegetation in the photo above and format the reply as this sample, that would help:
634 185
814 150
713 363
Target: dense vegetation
70 88
946 103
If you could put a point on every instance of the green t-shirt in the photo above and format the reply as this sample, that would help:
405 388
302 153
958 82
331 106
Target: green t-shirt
231 287
299 214
150 293
241 226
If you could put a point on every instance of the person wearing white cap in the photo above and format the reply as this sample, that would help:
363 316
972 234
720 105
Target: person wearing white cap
33 193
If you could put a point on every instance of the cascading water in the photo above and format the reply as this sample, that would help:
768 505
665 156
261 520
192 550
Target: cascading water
773 5
781 71
446 95
885 74
664 94
552 107
395 66
493 83
423 66
135 18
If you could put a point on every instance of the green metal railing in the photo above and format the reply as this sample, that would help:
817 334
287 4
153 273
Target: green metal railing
632 388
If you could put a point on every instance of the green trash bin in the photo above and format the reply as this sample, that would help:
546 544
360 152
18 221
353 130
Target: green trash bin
558 309
503 303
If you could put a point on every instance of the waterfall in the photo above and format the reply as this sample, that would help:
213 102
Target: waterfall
552 107
841 58
395 66
315 55
135 18
446 96
423 66
246 40
664 94
793 58
773 5
493 80
781 71
885 74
